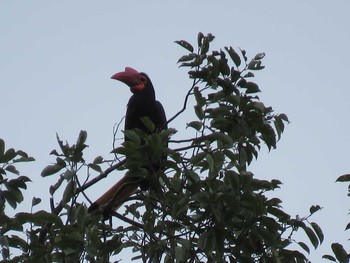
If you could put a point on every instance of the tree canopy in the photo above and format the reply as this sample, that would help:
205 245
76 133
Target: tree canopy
206 206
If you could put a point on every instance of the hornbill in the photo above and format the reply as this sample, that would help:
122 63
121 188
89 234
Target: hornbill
141 104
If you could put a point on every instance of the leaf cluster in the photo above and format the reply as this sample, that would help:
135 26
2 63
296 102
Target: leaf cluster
198 201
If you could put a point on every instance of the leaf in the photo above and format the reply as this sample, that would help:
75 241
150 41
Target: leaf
225 139
198 157
185 45
2 148
35 201
9 155
318 231
40 218
255 65
314 209
304 246
210 162
148 123
199 112
329 257
186 58
344 178
311 235
54 187
347 226
259 56
340 253
81 139
199 97
51 169
68 192
234 56
200 39
252 87
197 125
12 169
132 136
98 160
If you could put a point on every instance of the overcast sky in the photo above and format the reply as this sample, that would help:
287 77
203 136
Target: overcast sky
57 57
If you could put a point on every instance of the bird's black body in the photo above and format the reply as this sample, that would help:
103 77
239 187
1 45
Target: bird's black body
141 104
144 104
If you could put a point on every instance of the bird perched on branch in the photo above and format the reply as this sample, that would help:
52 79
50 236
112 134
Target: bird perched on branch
142 104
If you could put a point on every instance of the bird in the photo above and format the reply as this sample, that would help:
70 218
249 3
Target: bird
141 104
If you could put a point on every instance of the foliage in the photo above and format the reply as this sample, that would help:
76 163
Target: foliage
340 254
206 206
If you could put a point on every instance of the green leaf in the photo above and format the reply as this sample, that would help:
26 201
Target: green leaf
12 169
2 148
197 125
199 97
98 160
54 187
304 246
151 127
259 56
197 158
95 167
132 136
200 39
185 45
329 257
252 87
35 201
199 112
186 58
340 253
180 254
347 226
314 209
39 218
81 139
225 139
312 236
210 162
69 191
255 65
51 169
344 178
234 56
318 231
9 155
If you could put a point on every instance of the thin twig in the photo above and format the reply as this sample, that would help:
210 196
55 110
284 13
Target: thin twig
195 82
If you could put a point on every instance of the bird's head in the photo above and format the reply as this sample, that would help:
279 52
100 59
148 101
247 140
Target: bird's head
137 81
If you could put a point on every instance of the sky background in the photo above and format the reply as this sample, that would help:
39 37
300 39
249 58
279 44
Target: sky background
56 59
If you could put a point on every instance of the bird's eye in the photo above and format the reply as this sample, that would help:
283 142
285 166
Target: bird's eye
143 79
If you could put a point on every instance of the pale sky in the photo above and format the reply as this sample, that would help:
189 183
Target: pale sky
57 57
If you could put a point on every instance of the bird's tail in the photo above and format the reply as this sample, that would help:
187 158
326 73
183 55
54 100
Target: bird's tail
116 195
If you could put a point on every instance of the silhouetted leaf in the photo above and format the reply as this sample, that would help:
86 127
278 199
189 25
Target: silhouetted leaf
2 148
329 257
340 253
312 236
252 87
343 178
314 209
259 56
234 56
186 58
200 37
197 125
51 169
185 45
35 201
318 231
